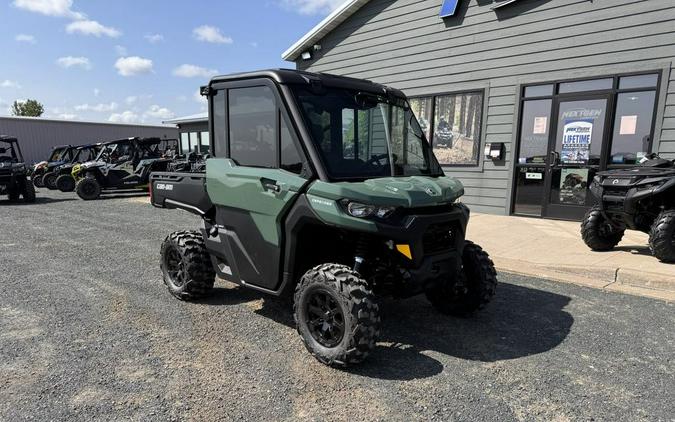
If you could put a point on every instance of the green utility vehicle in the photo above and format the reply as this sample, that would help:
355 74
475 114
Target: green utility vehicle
324 188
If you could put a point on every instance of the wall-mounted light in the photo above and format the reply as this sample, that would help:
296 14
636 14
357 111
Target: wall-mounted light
307 55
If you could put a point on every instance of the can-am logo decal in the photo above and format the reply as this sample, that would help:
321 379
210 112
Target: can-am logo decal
449 7
162 186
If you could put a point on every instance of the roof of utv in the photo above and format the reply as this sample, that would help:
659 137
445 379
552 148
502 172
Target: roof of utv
8 139
299 77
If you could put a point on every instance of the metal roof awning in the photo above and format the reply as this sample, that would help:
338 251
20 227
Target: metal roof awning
194 118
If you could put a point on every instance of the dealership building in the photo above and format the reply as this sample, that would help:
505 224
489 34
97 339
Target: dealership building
522 100
37 136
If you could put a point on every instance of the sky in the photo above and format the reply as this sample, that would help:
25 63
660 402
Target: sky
139 61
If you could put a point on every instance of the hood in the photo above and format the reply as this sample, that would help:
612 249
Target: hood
6 165
409 192
639 172
92 164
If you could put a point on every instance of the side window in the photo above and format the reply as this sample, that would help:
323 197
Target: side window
253 132
290 156
219 134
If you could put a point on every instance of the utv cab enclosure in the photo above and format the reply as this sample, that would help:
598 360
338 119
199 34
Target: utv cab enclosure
61 178
14 180
60 155
121 165
323 188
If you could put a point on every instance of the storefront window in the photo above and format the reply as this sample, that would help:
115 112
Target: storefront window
205 142
638 81
539 91
457 126
184 142
534 130
589 85
632 127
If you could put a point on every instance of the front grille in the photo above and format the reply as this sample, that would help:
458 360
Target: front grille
439 238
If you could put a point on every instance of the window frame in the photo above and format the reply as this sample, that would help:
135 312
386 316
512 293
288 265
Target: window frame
282 112
432 123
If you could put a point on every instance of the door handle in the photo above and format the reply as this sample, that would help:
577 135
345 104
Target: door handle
270 185
553 158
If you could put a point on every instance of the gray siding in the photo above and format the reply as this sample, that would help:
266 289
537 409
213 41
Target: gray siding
38 136
403 43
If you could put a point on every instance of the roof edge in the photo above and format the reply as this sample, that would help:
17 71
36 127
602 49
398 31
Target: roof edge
331 21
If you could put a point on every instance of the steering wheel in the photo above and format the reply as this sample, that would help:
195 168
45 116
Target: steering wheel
376 159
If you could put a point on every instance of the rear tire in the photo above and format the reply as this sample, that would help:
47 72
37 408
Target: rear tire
662 237
472 290
598 233
65 183
186 265
49 180
336 315
88 188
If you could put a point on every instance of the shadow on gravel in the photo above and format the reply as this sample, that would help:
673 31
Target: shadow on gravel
38 201
520 322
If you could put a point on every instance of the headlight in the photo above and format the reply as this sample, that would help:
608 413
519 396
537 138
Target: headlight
359 210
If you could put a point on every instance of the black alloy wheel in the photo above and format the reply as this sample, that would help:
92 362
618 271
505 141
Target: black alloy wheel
324 318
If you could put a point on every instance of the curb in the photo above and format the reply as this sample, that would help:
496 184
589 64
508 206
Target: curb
633 282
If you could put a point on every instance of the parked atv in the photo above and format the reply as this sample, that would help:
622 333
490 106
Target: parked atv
14 179
124 164
63 179
443 138
191 163
60 155
640 198
288 210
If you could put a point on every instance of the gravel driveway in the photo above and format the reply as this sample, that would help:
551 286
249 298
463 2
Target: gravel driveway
88 331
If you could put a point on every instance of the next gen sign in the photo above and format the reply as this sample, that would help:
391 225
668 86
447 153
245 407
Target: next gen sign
449 7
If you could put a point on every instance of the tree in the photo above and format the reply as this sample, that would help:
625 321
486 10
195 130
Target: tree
28 108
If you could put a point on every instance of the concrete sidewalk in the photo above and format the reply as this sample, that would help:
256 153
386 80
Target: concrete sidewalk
554 250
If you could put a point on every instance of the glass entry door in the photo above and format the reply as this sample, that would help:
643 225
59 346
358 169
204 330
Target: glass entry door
575 154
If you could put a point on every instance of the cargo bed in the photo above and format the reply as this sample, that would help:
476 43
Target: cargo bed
176 190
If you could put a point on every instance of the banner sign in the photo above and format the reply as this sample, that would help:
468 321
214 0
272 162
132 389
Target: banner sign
576 141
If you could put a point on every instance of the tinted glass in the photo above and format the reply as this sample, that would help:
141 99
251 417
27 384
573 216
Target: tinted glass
581 127
457 126
534 131
422 107
219 134
632 127
364 135
290 157
591 85
253 133
539 91
638 81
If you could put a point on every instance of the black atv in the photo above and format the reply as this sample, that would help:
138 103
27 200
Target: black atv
191 163
62 178
60 155
14 179
123 164
639 198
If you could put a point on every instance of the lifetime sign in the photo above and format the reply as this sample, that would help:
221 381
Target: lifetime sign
449 7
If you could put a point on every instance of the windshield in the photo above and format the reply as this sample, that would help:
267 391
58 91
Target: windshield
57 154
362 135
115 152
85 154
7 153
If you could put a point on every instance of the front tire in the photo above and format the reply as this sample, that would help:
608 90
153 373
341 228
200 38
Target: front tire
336 315
662 237
88 188
65 183
37 180
186 266
28 192
598 233
49 180
472 289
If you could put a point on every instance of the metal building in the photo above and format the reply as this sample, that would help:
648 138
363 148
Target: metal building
523 100
38 136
